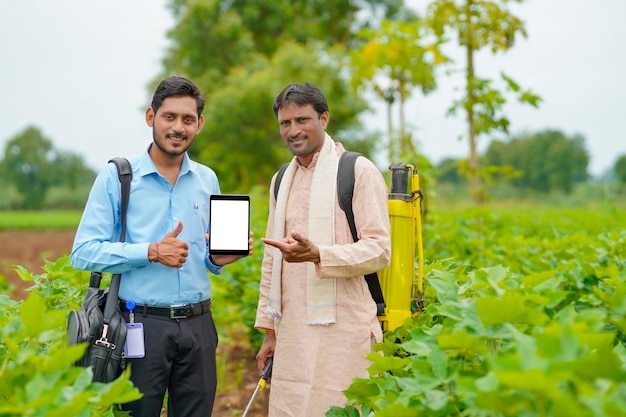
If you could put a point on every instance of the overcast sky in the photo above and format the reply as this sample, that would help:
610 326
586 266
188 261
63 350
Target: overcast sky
78 70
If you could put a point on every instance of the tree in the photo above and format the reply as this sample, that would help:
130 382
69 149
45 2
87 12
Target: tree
28 164
70 171
240 138
549 160
479 24
32 165
238 52
270 22
207 42
448 171
212 37
620 169
393 61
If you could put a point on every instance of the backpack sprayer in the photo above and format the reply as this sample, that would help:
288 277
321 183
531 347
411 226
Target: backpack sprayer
397 280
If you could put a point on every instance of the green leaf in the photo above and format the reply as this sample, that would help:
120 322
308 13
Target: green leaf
602 364
510 308
418 347
24 274
439 362
436 400
446 290
347 411
35 387
119 391
487 383
418 383
396 410
530 380
450 309
35 319
462 341
383 364
361 389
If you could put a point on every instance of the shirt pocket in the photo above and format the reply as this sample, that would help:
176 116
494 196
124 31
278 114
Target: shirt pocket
198 221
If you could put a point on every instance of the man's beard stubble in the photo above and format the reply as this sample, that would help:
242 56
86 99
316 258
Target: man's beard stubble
176 151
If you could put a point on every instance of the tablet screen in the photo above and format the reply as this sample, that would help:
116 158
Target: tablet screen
229 228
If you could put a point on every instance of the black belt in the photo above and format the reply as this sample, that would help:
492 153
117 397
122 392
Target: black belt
178 311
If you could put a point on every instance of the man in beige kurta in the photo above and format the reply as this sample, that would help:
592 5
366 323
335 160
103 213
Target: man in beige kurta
316 357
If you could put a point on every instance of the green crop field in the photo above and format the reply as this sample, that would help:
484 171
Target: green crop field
38 220
524 316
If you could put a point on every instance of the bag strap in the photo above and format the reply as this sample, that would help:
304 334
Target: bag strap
279 178
345 187
125 175
345 192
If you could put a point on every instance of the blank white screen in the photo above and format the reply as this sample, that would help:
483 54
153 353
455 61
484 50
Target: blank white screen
229 224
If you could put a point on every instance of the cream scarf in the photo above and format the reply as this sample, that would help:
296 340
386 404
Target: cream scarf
320 293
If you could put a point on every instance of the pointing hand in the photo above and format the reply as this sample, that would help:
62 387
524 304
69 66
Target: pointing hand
296 248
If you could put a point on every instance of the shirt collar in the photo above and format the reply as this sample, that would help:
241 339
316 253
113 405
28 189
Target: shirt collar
147 167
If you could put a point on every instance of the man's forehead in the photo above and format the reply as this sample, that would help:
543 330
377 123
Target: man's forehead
296 110
179 105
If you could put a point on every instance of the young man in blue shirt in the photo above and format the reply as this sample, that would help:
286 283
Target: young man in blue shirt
164 259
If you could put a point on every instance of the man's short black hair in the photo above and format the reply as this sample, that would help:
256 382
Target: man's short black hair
177 87
301 94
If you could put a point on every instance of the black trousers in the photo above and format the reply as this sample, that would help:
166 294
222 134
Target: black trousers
180 358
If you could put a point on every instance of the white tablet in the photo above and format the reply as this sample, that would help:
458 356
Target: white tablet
229 224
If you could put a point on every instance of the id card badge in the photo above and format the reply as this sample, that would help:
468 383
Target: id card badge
134 346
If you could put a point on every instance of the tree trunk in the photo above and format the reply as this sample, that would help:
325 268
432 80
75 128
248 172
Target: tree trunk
475 184
408 150
390 131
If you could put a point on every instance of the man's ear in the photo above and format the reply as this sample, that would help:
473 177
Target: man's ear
150 116
324 119
200 123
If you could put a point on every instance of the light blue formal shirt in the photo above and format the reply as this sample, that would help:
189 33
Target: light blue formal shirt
154 210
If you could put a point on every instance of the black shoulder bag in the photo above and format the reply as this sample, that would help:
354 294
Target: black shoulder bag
99 322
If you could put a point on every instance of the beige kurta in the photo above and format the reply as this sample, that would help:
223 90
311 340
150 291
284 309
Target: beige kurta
313 364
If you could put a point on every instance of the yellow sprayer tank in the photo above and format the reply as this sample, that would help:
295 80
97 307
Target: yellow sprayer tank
397 280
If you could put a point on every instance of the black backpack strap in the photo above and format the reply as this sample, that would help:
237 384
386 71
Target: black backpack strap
125 174
345 187
345 192
377 292
279 178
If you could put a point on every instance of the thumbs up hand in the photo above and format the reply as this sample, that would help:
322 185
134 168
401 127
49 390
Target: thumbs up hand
172 251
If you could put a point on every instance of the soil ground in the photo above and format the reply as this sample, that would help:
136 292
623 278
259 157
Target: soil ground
31 249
